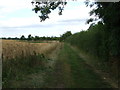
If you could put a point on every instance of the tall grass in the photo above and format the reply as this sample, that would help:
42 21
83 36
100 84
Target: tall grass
22 58
15 69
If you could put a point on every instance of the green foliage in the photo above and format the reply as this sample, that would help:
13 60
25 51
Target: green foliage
29 37
22 37
10 38
109 13
101 40
91 41
65 35
35 38
45 7
101 44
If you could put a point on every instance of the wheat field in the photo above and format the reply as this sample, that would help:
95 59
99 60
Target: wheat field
12 49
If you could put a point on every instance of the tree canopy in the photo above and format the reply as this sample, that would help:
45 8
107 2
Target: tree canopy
109 13
65 35
45 7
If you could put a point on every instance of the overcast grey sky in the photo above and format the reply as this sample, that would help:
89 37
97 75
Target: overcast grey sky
17 18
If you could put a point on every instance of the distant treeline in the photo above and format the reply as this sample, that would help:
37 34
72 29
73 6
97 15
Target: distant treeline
30 37
35 38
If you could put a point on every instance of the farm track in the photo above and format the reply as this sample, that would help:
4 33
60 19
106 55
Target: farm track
71 71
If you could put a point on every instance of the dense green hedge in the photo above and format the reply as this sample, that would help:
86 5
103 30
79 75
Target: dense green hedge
91 41
97 41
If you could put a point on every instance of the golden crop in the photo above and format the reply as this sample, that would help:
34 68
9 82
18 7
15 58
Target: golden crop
12 49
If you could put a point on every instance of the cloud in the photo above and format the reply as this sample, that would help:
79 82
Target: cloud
16 18
73 20
31 26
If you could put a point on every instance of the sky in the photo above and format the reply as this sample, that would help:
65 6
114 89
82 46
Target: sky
17 19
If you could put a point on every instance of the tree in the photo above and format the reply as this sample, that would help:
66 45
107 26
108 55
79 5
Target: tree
109 13
29 37
106 11
36 38
22 37
65 35
45 7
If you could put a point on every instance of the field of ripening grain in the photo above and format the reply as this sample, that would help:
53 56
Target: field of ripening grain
12 49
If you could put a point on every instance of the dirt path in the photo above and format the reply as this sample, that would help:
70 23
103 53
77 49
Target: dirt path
70 71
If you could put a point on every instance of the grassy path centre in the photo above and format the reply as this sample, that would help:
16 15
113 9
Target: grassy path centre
70 71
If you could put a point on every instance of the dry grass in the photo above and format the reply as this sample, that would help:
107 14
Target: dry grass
12 49
23 58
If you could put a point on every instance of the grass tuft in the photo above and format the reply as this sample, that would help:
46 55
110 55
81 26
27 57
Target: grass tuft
15 69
